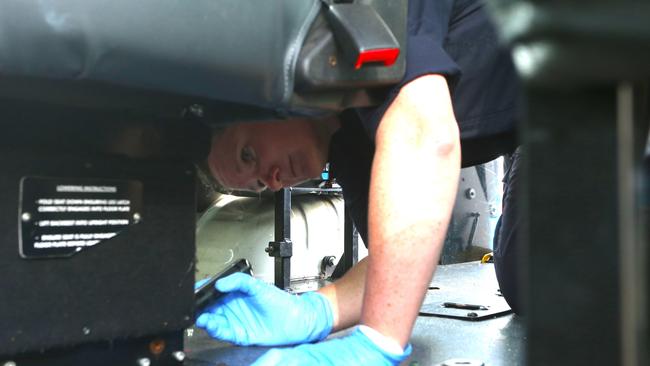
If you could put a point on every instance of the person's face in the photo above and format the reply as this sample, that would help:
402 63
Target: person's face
252 156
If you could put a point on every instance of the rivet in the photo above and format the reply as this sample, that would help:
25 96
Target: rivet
26 217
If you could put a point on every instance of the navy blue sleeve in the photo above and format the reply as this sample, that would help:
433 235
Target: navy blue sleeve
427 28
428 24
424 57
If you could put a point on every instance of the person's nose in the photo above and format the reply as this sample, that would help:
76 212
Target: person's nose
272 179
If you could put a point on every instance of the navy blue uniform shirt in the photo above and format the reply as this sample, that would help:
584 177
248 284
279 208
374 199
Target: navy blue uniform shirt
454 38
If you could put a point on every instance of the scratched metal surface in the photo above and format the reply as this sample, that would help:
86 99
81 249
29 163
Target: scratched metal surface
468 291
497 341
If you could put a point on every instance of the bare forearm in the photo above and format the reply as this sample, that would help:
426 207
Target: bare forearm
417 145
346 295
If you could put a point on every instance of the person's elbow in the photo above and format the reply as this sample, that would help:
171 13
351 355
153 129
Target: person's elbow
422 115
443 139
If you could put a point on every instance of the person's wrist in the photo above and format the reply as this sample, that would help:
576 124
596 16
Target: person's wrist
387 344
323 319
390 349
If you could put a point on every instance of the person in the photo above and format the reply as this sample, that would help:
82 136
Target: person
456 106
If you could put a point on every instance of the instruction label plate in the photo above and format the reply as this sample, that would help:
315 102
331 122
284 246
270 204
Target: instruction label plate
59 217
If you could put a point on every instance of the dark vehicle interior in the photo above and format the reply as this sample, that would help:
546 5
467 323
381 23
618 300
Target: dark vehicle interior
106 112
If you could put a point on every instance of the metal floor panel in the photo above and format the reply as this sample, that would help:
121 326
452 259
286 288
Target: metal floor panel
467 291
496 341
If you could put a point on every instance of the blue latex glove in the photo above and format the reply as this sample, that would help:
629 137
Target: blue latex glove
200 283
354 349
256 313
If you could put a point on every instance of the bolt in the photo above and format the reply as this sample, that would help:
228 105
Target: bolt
332 61
26 217
329 260
470 193
179 356
267 249
137 217
144 361
472 315
493 211
196 110
9 363
85 330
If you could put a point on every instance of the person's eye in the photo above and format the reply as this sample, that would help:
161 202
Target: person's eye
260 186
248 155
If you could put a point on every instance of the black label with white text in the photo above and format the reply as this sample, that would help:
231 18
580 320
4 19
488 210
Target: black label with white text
59 217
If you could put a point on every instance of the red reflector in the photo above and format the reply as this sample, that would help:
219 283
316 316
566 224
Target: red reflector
387 56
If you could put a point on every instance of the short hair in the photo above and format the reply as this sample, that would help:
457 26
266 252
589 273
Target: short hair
208 181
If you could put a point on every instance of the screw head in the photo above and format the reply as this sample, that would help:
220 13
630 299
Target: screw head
196 110
157 346
85 330
144 361
137 217
472 315
26 217
179 356
333 61
470 193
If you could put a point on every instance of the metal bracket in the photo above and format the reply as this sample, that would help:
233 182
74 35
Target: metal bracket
282 249
472 232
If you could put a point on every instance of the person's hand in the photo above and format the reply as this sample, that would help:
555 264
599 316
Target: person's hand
354 349
255 313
